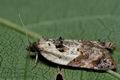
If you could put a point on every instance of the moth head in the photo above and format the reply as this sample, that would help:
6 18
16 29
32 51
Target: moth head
32 47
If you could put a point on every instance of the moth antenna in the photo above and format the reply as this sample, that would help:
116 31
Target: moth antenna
36 60
28 40
24 28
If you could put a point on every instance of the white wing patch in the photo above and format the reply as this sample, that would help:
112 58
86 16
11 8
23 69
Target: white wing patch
62 58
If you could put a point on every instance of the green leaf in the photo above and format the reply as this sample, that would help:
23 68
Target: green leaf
74 19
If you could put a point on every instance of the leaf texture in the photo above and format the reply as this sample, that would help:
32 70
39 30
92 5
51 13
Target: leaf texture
74 19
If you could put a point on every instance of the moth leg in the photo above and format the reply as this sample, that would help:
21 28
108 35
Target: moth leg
36 59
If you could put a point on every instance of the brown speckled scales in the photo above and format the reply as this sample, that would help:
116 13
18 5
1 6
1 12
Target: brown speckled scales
77 53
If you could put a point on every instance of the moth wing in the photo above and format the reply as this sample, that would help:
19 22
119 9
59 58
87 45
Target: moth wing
62 58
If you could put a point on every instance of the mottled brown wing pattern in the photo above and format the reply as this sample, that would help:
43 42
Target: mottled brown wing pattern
76 53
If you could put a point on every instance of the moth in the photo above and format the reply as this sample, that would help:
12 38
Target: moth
96 55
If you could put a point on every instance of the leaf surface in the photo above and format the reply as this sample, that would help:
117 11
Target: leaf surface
74 19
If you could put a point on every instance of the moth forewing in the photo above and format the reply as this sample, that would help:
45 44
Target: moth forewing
77 53
51 53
